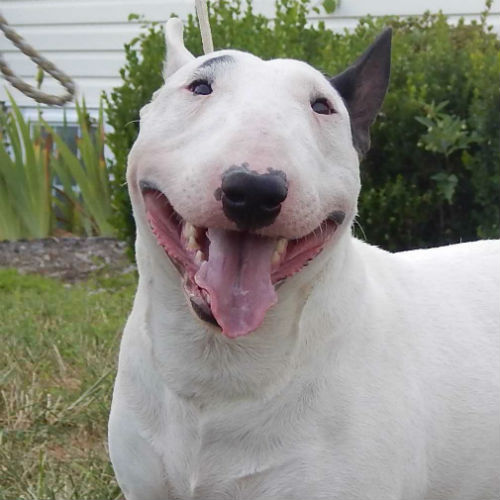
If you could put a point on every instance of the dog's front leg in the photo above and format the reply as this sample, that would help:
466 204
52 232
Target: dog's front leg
137 466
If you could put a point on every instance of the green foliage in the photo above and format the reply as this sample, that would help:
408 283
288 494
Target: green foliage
432 174
329 5
57 364
85 201
25 178
141 75
447 153
445 133
34 161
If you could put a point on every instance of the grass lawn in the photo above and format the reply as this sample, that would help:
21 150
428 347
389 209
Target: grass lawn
57 365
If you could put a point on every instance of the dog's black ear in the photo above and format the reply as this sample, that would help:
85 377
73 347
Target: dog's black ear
363 86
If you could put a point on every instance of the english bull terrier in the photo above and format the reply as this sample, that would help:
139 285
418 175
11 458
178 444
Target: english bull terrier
269 354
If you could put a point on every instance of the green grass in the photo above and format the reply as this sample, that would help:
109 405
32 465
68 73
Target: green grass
57 365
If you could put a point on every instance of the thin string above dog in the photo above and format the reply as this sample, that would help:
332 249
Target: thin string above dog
204 22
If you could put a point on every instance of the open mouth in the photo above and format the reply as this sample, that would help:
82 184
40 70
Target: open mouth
229 277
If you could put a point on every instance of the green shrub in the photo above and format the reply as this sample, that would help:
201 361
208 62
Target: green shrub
432 174
436 139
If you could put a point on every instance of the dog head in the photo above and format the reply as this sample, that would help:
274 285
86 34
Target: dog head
244 170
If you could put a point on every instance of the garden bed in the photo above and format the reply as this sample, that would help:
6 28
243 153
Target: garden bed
69 259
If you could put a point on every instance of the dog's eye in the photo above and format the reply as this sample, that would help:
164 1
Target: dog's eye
322 107
200 87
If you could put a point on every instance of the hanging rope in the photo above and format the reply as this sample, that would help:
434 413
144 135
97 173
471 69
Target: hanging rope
206 33
43 63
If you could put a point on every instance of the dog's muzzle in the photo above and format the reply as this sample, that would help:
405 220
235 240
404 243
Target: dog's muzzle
230 277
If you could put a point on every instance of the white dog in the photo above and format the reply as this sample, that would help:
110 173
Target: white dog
244 374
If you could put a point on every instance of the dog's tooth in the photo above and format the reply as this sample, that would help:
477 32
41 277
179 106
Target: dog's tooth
279 251
276 258
281 245
205 295
188 231
199 257
192 244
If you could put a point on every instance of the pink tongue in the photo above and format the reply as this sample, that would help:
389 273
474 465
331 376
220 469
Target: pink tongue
237 276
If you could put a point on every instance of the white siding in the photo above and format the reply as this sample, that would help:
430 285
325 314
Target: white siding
85 37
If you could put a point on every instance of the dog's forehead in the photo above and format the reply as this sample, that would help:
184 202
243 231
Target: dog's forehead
243 64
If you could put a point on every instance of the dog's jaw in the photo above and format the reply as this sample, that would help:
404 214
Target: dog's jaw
229 277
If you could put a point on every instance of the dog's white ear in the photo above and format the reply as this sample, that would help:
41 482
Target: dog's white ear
177 54
363 86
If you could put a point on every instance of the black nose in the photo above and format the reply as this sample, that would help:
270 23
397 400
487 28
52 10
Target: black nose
250 199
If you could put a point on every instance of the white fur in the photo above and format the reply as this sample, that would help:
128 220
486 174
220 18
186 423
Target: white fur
178 54
375 377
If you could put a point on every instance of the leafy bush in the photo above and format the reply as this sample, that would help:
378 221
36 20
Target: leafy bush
436 139
46 189
432 174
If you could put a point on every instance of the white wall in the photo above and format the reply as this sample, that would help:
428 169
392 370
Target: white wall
85 37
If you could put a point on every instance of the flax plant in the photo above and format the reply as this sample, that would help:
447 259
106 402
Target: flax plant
25 178
45 188
84 177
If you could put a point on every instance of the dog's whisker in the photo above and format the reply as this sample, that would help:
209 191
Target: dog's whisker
358 224
132 121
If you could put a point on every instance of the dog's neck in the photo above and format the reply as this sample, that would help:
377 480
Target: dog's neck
198 363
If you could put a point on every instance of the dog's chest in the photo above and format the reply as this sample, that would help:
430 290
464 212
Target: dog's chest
231 456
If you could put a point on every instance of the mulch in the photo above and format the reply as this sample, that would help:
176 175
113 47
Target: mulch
69 259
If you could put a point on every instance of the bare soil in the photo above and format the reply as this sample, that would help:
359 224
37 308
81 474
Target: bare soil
69 259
